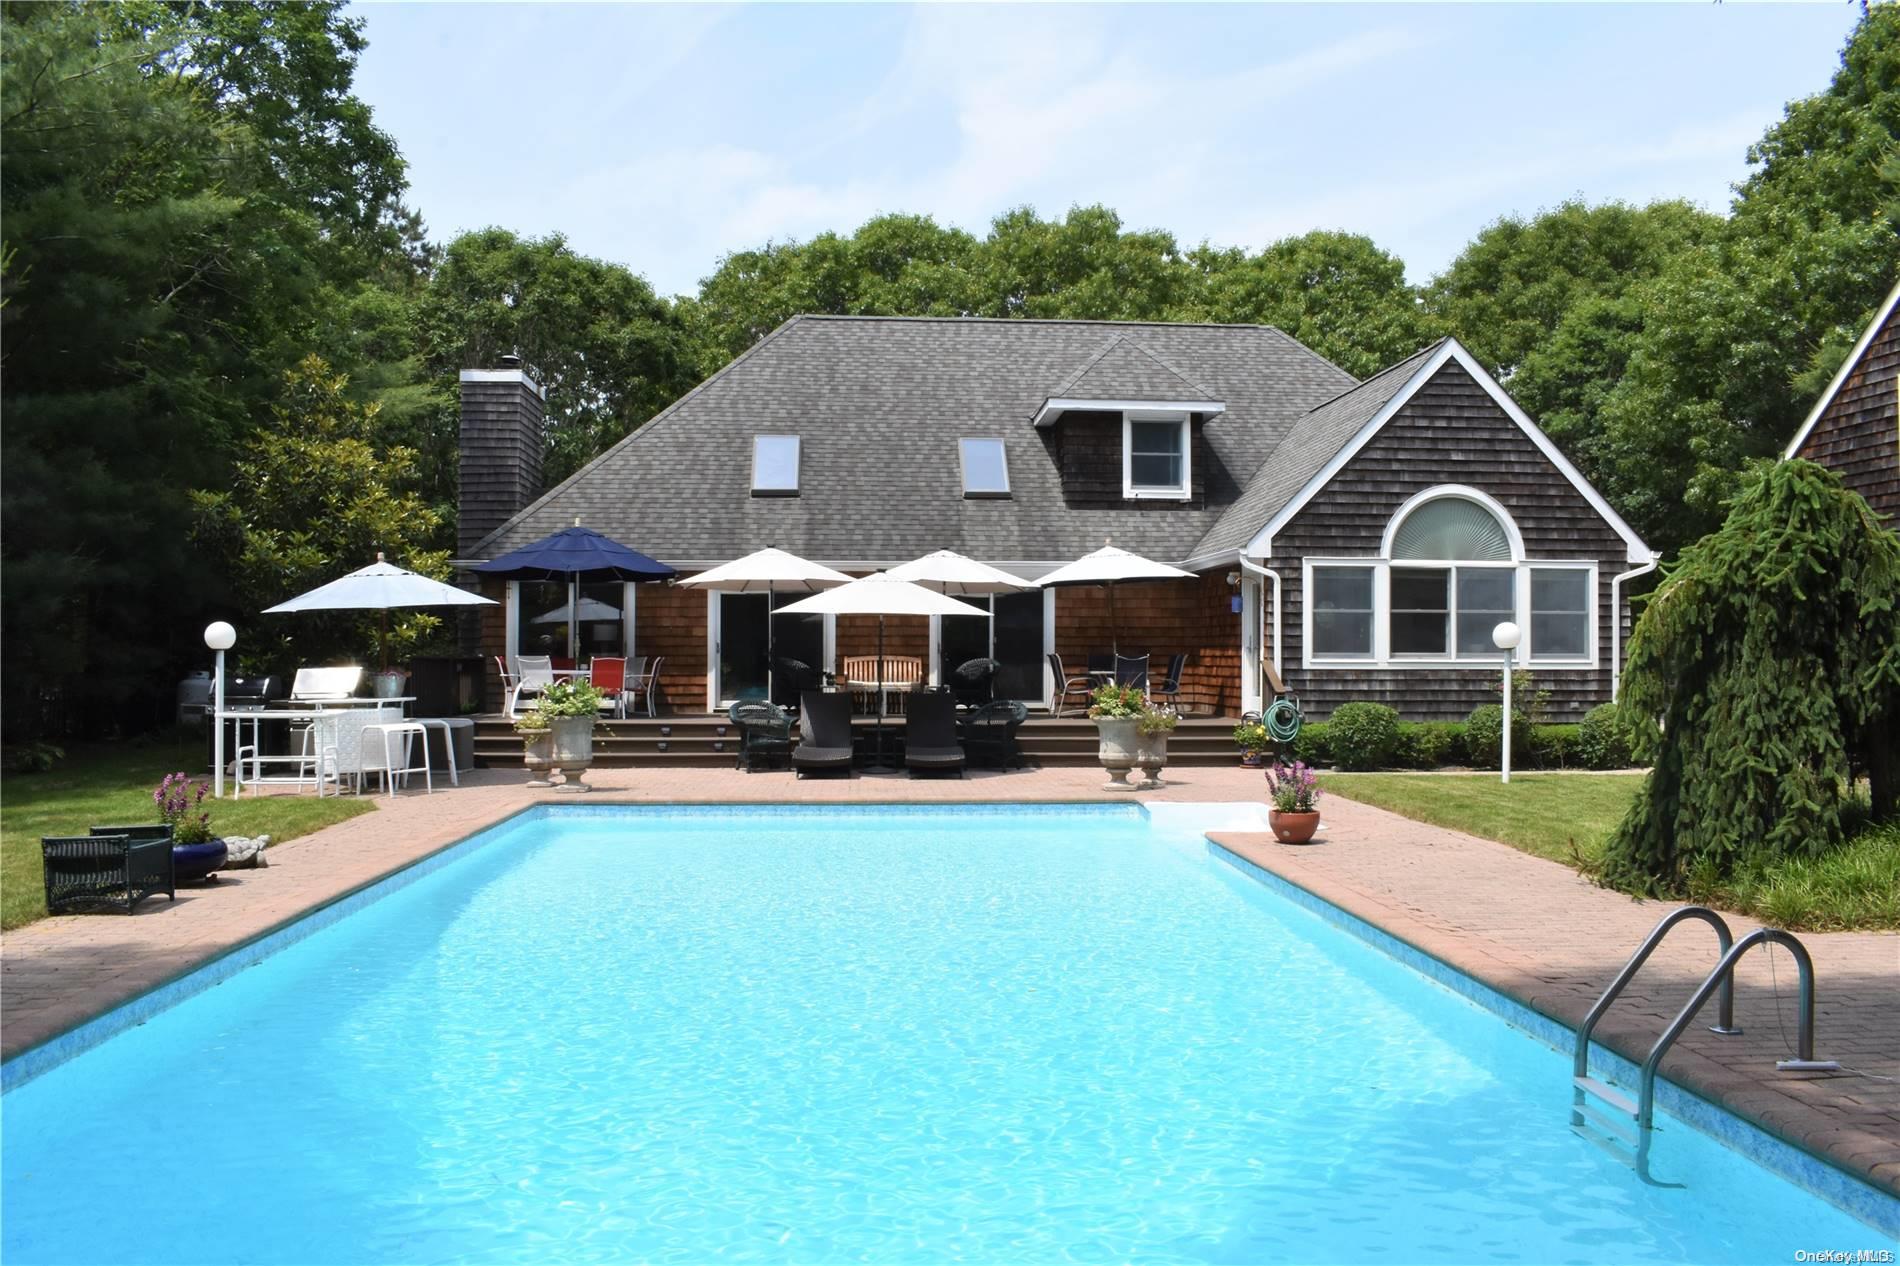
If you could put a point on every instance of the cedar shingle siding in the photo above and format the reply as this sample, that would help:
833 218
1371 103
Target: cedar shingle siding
1858 433
1450 432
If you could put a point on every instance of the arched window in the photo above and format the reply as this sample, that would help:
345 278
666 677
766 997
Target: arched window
1452 529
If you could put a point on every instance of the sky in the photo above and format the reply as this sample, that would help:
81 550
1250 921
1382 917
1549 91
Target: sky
664 137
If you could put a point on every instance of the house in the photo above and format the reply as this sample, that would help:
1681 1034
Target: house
1854 428
1361 539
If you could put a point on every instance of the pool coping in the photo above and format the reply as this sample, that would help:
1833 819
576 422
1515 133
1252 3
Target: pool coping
1702 1108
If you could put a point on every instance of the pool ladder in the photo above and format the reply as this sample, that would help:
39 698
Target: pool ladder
1634 1122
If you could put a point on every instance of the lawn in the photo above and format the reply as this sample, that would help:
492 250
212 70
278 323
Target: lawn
113 784
1569 817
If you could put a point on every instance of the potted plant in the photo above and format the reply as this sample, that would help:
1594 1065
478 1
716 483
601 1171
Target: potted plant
195 852
1293 791
1116 711
1152 728
1251 737
537 745
572 709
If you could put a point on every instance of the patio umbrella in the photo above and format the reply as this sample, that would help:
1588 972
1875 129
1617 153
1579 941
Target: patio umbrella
1109 567
591 610
767 571
380 587
579 556
880 595
949 572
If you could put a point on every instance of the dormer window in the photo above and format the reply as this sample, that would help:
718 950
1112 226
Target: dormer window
775 465
985 468
1155 456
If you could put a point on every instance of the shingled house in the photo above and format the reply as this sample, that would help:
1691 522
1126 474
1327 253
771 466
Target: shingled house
1854 429
1360 538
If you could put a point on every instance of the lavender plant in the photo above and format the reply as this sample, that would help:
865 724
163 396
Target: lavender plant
1293 788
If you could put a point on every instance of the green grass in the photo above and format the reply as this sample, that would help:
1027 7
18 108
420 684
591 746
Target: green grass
114 785
1569 817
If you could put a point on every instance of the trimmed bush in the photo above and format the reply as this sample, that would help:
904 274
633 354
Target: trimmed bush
1364 735
1484 737
1603 740
1314 745
1429 744
1554 746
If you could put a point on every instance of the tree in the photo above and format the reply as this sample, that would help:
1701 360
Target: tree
313 495
1084 266
609 353
1761 714
1338 293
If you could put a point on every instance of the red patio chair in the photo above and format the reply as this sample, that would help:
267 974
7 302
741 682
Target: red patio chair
609 675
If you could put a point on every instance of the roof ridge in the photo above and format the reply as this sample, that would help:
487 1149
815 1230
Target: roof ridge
1104 321
1090 363
1394 367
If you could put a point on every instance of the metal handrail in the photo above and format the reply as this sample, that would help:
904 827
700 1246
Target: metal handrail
1721 977
1725 940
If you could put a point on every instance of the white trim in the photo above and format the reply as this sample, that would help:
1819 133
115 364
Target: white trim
1048 647
963 469
511 626
629 618
1262 544
712 650
505 375
1847 368
1442 491
1061 404
936 649
1183 491
1616 624
1382 656
1252 629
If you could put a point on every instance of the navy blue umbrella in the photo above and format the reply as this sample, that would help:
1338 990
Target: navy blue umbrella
579 556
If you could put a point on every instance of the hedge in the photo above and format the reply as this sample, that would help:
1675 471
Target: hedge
1439 744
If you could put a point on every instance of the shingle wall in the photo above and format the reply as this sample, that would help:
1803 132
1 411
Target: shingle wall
1858 435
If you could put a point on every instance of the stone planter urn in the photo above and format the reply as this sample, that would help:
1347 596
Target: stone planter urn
1119 751
573 742
537 754
1151 754
1293 828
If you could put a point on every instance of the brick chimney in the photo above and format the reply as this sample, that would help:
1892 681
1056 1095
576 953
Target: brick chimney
501 441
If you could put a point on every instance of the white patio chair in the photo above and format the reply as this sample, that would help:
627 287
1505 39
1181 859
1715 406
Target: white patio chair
341 750
537 674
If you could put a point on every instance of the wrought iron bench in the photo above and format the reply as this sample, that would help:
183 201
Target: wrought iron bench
113 872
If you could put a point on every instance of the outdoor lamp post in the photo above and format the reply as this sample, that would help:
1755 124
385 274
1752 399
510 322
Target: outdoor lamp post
220 637
1506 637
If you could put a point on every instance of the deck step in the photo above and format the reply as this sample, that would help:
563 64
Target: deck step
1624 1128
1608 1094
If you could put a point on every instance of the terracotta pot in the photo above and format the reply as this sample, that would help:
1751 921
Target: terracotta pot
1151 753
1119 751
573 751
537 753
1293 828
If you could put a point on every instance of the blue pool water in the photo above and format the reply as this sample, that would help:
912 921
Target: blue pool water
834 1035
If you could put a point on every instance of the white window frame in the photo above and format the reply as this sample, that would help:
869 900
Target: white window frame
1372 652
1382 656
963 469
798 467
1181 492
1593 635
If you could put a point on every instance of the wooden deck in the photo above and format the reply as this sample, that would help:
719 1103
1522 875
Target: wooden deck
704 740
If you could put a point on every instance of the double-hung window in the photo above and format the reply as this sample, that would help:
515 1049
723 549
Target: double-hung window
1155 456
1560 613
1342 612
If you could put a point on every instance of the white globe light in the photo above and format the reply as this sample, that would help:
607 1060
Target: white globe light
220 636
1506 636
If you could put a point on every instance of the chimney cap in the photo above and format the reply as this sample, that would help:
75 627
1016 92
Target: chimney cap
511 360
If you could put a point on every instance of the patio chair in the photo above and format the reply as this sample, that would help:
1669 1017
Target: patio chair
930 734
645 688
537 674
608 673
765 734
113 872
970 682
508 679
824 729
1069 685
1131 670
989 734
1170 688
791 678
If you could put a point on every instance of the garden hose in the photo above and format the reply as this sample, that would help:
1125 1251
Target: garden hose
1283 721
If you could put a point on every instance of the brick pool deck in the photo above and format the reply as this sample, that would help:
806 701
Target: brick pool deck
1529 928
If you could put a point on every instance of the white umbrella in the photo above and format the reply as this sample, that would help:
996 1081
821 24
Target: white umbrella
767 571
880 595
591 609
949 572
1109 567
381 587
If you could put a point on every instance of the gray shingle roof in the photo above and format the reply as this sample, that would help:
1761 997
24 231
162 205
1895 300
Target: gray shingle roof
880 402
1127 370
1304 452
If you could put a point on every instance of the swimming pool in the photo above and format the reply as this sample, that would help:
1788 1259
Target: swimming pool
884 1034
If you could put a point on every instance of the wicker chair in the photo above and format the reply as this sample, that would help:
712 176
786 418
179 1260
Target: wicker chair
824 730
989 734
930 735
113 872
765 734
970 682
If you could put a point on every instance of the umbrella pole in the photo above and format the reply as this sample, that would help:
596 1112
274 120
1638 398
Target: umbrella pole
382 636
771 656
574 619
1114 625
878 763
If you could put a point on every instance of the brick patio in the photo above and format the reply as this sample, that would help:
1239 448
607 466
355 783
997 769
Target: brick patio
1530 928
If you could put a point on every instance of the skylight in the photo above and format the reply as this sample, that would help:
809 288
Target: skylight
985 468
775 465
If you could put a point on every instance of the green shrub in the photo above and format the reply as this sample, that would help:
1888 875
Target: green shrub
1429 744
1364 735
1315 743
1603 740
1484 737
1553 746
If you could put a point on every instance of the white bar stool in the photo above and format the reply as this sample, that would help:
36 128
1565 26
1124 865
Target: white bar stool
408 730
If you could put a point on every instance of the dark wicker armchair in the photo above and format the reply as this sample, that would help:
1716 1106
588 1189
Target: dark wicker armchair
112 872
989 734
970 682
765 734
